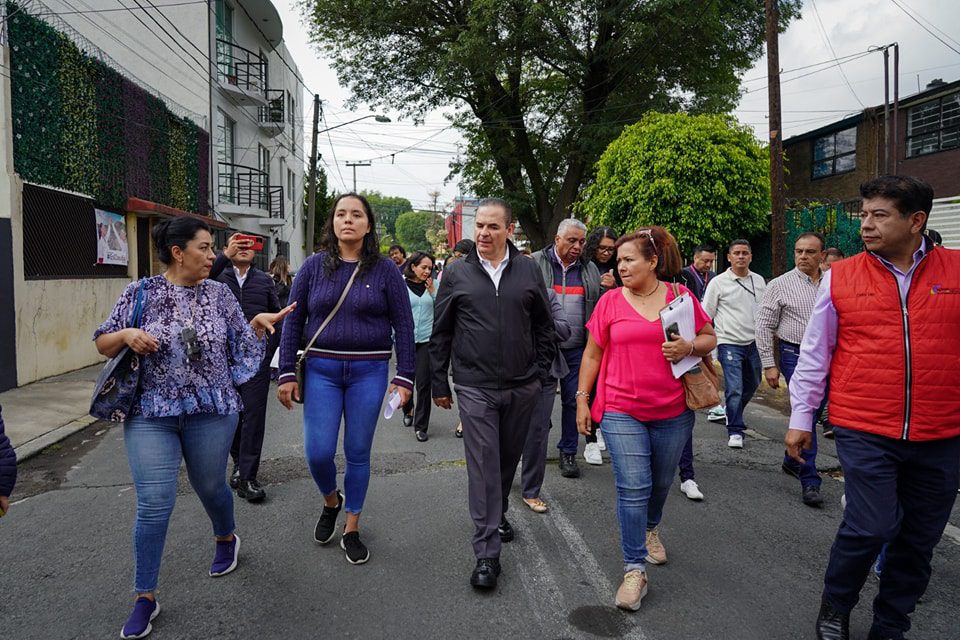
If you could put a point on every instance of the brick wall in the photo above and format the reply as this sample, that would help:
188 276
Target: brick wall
941 170
837 188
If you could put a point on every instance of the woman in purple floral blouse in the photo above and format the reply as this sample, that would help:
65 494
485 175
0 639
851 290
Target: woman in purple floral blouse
197 349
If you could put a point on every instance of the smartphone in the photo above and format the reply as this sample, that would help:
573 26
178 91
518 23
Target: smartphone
672 330
257 241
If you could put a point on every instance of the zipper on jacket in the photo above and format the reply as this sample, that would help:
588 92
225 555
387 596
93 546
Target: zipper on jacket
907 347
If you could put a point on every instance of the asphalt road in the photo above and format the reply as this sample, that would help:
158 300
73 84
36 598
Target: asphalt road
745 563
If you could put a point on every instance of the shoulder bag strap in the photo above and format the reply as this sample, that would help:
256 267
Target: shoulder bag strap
136 316
333 312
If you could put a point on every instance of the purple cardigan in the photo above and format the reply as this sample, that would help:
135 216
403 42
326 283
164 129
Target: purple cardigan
376 309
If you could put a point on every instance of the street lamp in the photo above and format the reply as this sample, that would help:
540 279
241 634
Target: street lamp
375 116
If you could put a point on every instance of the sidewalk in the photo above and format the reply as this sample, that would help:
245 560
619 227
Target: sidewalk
43 413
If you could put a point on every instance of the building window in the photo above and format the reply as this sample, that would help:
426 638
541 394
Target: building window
291 185
224 16
934 126
835 153
226 135
291 110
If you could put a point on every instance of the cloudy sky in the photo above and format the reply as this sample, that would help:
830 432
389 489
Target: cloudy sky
828 29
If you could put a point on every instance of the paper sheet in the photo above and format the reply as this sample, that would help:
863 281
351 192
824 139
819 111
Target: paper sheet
680 311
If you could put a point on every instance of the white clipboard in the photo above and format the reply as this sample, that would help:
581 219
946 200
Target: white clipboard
680 311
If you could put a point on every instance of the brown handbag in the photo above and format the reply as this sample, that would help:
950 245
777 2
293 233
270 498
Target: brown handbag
701 385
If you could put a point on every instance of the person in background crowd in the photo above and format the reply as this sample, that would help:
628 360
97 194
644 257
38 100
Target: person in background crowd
783 313
830 256
577 283
347 366
601 250
256 293
398 254
196 346
534 461
640 404
280 272
731 299
699 272
8 469
935 238
421 292
884 330
493 320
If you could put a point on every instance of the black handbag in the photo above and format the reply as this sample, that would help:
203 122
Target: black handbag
300 368
119 383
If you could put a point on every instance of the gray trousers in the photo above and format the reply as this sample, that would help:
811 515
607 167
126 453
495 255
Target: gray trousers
535 449
495 424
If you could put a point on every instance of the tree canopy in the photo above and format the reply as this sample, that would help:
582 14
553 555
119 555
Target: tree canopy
704 178
412 228
387 209
540 87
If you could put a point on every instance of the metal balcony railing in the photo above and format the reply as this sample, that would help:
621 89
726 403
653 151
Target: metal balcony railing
249 187
274 112
240 67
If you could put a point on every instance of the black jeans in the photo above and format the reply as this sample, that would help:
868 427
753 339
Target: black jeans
421 416
248 439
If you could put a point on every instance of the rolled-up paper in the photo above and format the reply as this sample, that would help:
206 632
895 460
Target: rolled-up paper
393 403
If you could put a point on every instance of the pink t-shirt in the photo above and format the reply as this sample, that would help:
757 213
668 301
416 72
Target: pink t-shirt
635 378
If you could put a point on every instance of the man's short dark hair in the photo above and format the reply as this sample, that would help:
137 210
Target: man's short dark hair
814 234
833 252
398 248
740 242
704 248
908 193
498 202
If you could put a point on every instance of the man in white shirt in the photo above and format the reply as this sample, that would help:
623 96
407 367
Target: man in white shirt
731 300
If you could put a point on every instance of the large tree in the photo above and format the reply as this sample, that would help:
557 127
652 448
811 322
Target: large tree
542 86
387 209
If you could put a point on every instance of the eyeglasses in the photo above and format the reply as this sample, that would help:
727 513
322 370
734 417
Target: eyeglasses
606 249
648 233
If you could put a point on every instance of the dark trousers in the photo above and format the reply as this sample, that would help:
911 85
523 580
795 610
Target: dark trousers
899 493
248 438
495 425
569 436
686 460
535 448
809 477
421 416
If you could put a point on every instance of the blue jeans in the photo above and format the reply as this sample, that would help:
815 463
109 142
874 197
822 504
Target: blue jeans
899 494
644 455
789 354
569 437
353 390
742 374
155 447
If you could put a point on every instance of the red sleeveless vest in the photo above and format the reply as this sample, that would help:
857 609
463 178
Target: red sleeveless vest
895 371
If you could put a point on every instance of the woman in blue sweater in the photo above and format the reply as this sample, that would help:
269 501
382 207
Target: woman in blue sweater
347 366
420 289
8 468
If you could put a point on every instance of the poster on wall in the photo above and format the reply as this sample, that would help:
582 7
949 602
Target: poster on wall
111 238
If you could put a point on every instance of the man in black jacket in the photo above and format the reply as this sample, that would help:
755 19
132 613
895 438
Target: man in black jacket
256 292
492 318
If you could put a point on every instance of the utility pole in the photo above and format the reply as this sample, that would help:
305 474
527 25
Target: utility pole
312 193
778 230
886 110
896 106
355 165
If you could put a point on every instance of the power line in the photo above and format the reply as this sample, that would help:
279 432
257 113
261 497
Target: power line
924 27
92 10
334 153
935 27
282 59
826 39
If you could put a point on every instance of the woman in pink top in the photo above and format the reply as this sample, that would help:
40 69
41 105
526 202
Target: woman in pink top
640 405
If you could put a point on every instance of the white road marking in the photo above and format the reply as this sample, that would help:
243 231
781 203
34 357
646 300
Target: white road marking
539 582
952 533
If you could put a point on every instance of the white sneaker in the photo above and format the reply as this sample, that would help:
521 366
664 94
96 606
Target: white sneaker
717 414
735 442
591 453
690 489
600 441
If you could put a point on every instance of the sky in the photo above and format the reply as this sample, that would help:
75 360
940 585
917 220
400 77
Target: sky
827 30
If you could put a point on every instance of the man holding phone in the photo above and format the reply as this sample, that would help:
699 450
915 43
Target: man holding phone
256 292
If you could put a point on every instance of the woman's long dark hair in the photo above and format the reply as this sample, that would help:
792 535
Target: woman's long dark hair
593 241
369 252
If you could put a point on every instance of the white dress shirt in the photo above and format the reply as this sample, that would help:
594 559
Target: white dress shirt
495 273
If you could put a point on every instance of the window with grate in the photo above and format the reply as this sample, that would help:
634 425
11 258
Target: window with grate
934 126
60 237
834 153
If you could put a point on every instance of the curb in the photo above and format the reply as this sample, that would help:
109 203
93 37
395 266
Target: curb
33 447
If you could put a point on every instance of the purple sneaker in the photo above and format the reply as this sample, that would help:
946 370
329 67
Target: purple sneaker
138 624
225 560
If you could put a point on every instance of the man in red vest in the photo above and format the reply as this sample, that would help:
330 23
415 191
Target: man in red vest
885 327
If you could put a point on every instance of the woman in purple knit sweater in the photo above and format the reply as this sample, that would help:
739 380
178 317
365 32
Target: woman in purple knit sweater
347 367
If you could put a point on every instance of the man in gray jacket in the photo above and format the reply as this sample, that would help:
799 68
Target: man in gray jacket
577 284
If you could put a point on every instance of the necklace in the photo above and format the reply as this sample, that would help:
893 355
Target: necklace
644 295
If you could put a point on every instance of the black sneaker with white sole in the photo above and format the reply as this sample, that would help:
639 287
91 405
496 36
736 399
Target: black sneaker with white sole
356 551
327 524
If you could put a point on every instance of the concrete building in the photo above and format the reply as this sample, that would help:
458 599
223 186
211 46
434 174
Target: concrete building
202 118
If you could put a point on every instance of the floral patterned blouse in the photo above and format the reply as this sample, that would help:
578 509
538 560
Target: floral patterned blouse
230 352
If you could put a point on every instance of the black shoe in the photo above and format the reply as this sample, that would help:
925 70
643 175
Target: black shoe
251 491
791 470
828 430
327 524
505 531
408 419
235 478
357 553
812 497
568 466
458 432
422 436
831 624
485 574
